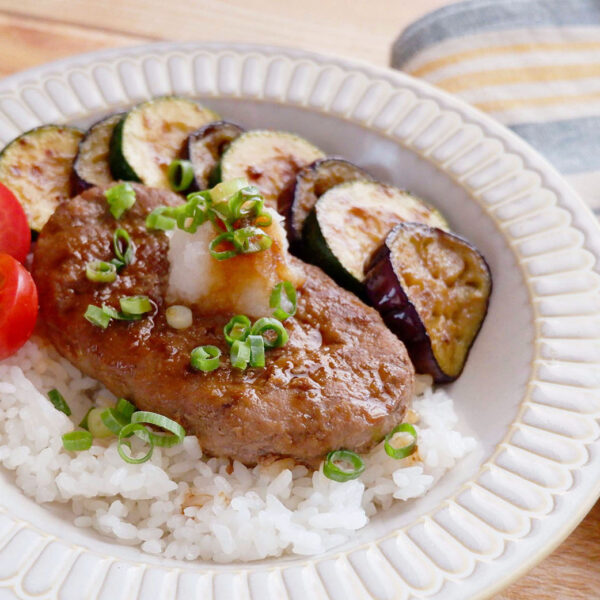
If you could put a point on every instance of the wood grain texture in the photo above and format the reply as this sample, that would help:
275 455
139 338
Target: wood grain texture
33 32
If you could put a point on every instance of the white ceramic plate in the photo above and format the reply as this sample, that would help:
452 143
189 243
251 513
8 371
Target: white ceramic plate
529 392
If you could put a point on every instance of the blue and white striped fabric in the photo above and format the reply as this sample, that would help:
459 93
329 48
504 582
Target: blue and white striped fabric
534 65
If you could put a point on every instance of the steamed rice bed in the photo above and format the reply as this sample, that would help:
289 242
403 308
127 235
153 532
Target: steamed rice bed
186 506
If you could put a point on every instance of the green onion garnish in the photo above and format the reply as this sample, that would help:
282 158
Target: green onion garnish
402 451
246 204
113 420
180 174
94 424
84 421
238 328
234 208
174 431
248 240
224 238
205 358
98 270
135 305
120 198
124 408
257 350
285 306
336 463
140 431
179 316
224 190
240 354
96 316
157 219
124 248
193 213
267 324
76 441
59 402
119 315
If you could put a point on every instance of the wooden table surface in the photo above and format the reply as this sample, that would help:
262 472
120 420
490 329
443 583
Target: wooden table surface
33 32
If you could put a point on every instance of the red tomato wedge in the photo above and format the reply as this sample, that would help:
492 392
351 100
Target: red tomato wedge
15 236
18 305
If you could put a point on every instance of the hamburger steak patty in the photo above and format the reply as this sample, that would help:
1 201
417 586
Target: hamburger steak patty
342 381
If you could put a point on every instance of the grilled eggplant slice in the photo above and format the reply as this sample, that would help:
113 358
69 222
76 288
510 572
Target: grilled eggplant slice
205 147
37 167
151 135
268 159
349 223
311 182
91 163
432 289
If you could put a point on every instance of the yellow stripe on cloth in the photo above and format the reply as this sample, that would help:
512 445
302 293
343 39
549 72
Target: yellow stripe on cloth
500 105
468 81
452 59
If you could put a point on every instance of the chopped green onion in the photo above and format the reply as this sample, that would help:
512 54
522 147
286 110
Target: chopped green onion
194 212
402 451
118 263
180 174
179 316
224 190
95 425
240 354
59 402
124 248
158 220
124 408
246 203
76 441
226 237
238 328
284 307
336 462
174 431
248 240
113 420
205 358
96 316
257 350
135 305
118 315
84 421
266 324
140 431
263 219
120 198
98 270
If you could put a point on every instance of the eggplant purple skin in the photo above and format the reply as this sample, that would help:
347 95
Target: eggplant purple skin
290 196
400 315
228 131
77 183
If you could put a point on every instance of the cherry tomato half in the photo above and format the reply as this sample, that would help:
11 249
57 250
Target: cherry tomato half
18 305
15 236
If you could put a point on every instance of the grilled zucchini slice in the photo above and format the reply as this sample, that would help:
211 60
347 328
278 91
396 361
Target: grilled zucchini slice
432 289
91 163
37 167
311 182
350 221
151 135
205 147
268 159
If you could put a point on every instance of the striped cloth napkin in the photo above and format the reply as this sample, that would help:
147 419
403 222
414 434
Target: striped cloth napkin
534 65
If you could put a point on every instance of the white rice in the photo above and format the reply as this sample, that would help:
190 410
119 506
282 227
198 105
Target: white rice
184 506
